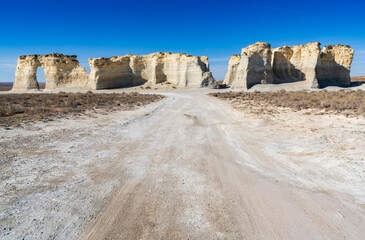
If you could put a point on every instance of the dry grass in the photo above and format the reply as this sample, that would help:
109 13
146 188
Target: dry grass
20 108
8 86
346 102
5 88
358 79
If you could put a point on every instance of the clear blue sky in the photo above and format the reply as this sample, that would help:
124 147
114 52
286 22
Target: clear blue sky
216 29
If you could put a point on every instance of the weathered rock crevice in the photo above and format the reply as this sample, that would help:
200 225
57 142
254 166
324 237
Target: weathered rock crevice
258 63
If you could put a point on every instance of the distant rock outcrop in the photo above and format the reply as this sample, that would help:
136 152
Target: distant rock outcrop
62 71
178 69
306 63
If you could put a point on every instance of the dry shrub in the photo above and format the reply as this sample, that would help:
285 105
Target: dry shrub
349 102
17 108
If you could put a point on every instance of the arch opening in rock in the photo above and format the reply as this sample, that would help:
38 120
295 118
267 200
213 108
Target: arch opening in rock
41 77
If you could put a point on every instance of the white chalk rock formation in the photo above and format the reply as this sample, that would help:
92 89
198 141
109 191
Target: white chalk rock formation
61 71
232 69
110 72
306 63
178 69
297 63
26 73
254 67
209 81
334 65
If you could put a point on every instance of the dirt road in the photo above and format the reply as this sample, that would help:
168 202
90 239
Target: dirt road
188 167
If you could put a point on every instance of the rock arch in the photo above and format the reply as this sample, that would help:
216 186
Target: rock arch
61 71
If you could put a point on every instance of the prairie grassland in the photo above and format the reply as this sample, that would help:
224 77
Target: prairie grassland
4 87
358 79
348 102
18 108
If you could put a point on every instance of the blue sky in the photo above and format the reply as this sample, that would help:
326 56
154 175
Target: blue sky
216 29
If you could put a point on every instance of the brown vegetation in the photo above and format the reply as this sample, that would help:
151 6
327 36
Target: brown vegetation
358 79
347 102
8 86
18 108
5 88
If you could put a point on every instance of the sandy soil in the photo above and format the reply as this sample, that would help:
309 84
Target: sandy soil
187 167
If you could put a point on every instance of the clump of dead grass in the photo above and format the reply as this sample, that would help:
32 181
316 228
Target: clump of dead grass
348 102
30 107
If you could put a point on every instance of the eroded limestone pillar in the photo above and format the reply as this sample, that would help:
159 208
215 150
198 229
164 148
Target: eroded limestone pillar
26 73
